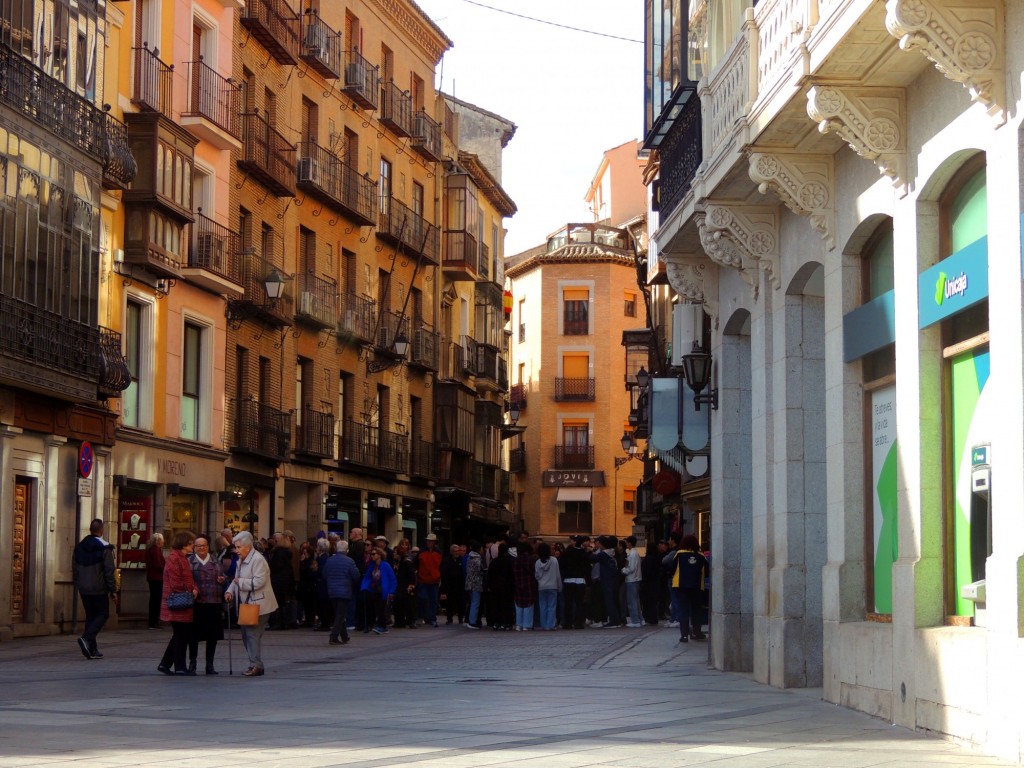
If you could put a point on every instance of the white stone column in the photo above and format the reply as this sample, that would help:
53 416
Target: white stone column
55 489
762 453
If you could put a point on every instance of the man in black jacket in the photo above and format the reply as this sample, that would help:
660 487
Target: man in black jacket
93 574
575 567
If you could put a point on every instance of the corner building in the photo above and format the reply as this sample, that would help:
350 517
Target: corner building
839 186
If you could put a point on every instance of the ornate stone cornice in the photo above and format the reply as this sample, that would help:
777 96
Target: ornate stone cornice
804 182
964 39
744 237
873 121
409 18
691 278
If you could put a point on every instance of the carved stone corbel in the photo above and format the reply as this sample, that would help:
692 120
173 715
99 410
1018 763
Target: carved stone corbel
694 279
964 39
804 182
744 237
873 121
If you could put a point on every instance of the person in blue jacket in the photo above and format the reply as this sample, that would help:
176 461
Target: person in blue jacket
379 584
342 579
687 567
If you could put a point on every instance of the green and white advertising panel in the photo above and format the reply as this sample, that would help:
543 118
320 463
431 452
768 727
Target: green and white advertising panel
883 493
972 419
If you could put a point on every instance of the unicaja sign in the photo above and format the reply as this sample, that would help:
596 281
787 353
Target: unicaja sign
947 288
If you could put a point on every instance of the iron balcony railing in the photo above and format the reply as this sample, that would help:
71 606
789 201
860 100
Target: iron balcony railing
426 349
314 434
317 301
115 377
375 447
574 389
469 355
267 155
321 47
261 430
460 254
403 226
485 480
423 459
214 248
119 166
325 175
517 396
153 81
396 109
357 318
214 98
391 324
682 153
43 338
490 365
362 82
574 457
426 135
49 103
575 326
276 26
253 271
517 460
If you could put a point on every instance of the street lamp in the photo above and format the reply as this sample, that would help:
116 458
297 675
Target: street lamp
400 347
697 370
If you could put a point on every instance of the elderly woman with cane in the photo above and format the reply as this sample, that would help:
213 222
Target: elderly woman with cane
251 585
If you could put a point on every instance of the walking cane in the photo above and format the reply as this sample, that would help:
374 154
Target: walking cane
231 667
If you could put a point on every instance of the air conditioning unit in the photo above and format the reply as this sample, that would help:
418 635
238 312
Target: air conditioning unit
309 304
210 250
309 170
316 41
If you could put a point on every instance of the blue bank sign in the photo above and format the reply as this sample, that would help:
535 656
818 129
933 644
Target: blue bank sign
954 284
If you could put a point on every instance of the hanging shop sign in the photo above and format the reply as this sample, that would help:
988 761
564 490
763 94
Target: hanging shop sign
954 284
572 478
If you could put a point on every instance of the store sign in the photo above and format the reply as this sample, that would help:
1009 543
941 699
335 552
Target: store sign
954 284
572 478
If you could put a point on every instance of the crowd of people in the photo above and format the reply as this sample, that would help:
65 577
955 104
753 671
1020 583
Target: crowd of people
363 584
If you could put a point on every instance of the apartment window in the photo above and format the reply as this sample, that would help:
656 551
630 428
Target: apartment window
136 402
629 501
384 185
522 321
353 34
575 312
416 91
350 149
629 304
576 451
417 199
193 384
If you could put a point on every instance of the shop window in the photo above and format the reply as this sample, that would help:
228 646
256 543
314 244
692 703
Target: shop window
575 517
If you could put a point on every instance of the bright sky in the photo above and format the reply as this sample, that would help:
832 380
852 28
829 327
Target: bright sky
572 95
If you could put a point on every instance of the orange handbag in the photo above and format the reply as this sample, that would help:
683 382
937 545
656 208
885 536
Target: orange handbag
248 615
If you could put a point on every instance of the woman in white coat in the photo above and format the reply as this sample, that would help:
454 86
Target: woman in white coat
252 585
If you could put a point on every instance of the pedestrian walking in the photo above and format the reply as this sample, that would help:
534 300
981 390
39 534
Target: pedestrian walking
549 583
252 585
92 571
208 611
155 577
342 579
178 579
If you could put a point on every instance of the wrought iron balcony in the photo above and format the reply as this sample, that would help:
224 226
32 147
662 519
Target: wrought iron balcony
317 301
362 81
321 47
153 81
491 370
261 430
357 318
276 26
459 260
267 155
425 351
214 250
569 390
314 434
470 358
486 480
517 396
321 173
396 109
390 326
402 226
682 153
48 353
48 102
375 447
517 460
426 136
574 457
575 326
423 460
254 303
214 106
115 377
119 166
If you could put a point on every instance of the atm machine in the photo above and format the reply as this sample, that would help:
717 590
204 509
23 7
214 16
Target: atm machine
981 529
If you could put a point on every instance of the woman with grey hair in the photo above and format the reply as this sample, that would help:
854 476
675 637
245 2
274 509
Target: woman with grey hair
252 585
324 615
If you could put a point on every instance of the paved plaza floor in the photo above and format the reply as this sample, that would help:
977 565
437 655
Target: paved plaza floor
452 697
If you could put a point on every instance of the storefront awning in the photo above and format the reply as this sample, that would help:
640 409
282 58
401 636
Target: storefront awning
574 494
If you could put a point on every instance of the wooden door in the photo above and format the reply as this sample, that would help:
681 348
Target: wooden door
20 547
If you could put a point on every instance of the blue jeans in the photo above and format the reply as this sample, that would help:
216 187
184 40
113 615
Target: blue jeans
524 617
427 594
474 607
633 602
674 607
548 599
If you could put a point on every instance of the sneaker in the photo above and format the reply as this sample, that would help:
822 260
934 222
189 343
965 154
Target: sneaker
609 625
672 625
83 645
334 641
350 629
379 631
684 639
96 654
472 626
635 625
700 636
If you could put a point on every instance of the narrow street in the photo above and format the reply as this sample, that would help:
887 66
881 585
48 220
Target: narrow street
432 697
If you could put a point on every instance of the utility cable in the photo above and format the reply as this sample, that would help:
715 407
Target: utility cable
552 23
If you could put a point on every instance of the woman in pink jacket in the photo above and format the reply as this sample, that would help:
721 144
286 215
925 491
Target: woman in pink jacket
178 578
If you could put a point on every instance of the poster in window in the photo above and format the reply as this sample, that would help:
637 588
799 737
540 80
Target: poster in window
135 514
883 493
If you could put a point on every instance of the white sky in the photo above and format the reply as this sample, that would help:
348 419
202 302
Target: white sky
571 95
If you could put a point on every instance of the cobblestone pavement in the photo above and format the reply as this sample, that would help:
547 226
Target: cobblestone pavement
617 698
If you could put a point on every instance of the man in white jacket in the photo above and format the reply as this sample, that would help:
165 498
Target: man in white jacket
252 585
632 573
